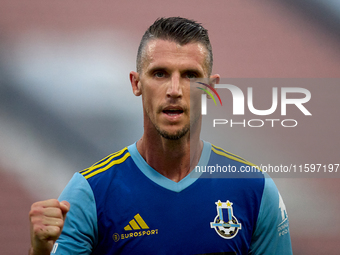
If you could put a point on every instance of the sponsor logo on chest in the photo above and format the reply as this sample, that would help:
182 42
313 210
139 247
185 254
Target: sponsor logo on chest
137 227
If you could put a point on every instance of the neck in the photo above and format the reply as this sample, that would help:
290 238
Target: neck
174 159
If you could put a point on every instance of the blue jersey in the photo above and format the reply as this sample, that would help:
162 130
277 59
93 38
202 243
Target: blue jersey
121 205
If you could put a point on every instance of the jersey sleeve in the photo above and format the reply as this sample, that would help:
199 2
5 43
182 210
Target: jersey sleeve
271 235
80 231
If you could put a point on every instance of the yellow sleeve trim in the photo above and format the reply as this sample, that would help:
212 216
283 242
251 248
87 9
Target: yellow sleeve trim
107 162
228 153
103 162
115 162
232 156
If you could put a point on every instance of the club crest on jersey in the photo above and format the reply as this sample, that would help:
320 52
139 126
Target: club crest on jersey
225 223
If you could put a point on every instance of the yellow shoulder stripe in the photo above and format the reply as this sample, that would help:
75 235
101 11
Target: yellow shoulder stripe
231 156
105 164
102 161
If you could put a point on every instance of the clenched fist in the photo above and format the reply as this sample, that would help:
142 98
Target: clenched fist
47 220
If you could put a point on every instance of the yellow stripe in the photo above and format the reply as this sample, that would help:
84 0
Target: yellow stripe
112 156
134 225
102 160
228 152
231 157
141 222
115 162
84 170
127 228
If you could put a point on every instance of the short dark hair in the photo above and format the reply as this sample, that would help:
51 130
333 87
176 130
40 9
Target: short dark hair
179 30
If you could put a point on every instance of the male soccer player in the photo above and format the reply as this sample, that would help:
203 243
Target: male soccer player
142 200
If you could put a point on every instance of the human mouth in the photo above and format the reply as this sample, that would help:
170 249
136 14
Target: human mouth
173 110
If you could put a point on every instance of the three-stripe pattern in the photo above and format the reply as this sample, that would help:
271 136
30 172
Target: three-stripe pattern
104 164
136 223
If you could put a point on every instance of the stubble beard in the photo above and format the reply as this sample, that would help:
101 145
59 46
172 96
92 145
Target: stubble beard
180 133
176 136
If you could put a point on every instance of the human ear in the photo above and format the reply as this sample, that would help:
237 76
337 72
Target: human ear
135 83
214 79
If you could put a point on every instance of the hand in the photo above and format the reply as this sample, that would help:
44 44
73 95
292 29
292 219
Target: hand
47 220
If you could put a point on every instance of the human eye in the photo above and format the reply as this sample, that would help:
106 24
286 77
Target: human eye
191 75
159 74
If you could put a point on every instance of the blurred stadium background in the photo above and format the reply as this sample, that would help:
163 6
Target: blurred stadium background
66 102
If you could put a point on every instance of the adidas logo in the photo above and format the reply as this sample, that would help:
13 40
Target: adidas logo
137 223
133 223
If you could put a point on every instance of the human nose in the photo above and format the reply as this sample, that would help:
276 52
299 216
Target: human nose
175 89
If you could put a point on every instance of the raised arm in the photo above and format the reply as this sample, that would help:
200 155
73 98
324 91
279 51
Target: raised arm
46 223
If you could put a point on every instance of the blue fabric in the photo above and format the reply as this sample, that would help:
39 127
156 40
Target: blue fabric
121 205
80 232
273 221
161 180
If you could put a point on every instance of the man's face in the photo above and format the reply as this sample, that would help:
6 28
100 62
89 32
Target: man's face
165 85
